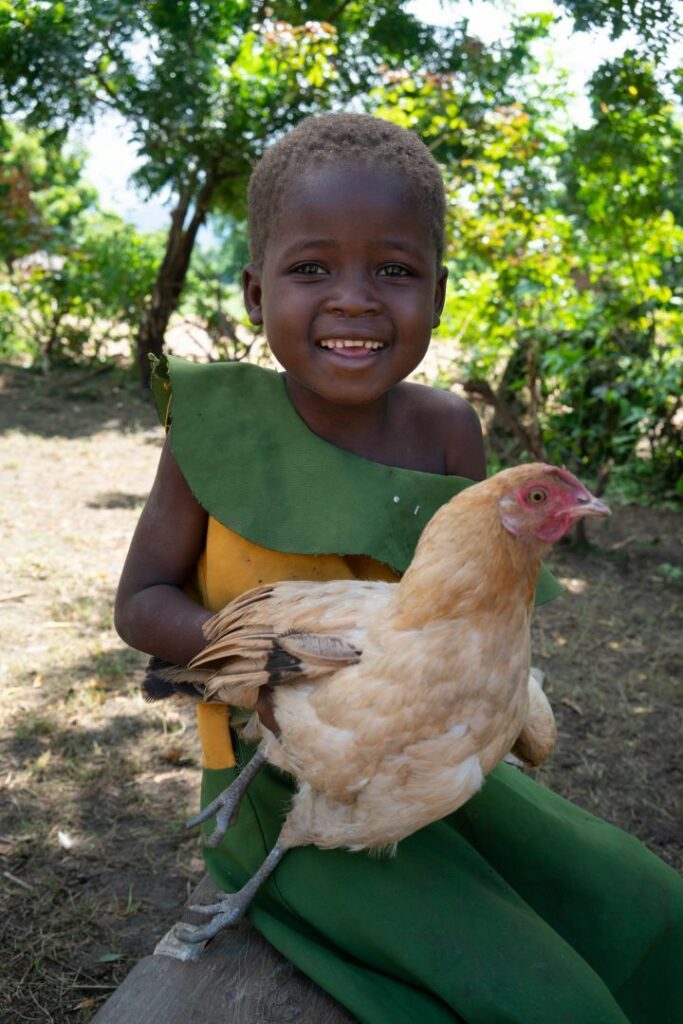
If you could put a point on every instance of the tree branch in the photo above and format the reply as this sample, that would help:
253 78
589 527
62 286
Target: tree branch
527 440
339 11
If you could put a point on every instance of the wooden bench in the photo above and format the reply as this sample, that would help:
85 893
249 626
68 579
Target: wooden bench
238 979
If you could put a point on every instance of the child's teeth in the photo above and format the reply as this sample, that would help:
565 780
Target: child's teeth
331 343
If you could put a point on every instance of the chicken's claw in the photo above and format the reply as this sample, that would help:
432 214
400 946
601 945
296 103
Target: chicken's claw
208 909
226 807
195 935
227 804
232 907
226 913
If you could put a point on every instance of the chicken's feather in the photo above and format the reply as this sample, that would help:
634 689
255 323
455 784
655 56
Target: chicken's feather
334 651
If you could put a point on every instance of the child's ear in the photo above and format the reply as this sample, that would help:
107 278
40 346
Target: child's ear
251 290
439 295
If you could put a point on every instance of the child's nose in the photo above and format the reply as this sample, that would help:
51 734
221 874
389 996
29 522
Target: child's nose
353 297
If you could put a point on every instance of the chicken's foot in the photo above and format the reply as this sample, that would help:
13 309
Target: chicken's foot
227 804
233 906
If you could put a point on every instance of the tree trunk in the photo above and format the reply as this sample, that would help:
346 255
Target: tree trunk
580 536
528 439
171 277
48 353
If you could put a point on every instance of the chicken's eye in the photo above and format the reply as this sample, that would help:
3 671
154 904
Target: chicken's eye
538 495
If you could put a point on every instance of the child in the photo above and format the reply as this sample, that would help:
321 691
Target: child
519 907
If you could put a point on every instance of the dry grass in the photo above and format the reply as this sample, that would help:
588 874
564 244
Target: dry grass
612 654
97 784
94 859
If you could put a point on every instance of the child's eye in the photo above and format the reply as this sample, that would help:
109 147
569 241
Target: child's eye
308 268
394 270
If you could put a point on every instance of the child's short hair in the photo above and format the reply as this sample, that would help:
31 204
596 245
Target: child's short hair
329 139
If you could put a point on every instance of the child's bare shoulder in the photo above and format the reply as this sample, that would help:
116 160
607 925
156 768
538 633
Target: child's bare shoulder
448 420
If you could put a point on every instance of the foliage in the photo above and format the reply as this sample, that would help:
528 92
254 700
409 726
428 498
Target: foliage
655 21
212 300
565 258
41 192
623 177
230 253
254 70
73 275
566 245
81 297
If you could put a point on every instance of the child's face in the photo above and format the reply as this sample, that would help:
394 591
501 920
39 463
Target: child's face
350 259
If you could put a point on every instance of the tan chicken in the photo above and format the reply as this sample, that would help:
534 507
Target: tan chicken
391 702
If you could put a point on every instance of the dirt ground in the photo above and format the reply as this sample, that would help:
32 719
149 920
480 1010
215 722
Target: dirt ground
96 784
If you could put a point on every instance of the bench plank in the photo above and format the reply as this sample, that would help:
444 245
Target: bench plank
239 979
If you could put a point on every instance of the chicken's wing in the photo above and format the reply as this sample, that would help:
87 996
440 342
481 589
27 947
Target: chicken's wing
537 739
287 632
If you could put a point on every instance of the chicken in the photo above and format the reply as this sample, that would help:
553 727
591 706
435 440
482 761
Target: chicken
389 703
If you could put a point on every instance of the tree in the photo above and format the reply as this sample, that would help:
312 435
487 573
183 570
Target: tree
41 192
73 274
212 299
656 22
203 85
567 289
87 291
623 177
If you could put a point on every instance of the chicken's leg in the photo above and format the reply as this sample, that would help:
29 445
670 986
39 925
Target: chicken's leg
233 906
227 804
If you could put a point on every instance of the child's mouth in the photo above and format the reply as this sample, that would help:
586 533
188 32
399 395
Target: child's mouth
352 348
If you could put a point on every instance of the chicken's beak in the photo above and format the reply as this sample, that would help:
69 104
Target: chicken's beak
589 506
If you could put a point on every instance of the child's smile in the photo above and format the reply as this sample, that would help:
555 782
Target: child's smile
350 348
349 289
352 351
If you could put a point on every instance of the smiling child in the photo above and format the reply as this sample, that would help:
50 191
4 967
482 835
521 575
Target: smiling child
519 907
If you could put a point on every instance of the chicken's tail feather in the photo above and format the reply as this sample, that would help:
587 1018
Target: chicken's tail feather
249 644
244 653
164 680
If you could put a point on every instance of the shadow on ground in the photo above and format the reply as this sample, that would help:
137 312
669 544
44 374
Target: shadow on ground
74 402
97 861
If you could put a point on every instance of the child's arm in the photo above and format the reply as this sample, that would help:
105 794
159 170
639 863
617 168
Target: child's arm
152 613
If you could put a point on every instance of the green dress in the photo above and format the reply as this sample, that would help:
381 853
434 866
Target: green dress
519 908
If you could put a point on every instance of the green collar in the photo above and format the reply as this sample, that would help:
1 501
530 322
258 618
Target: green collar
254 465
